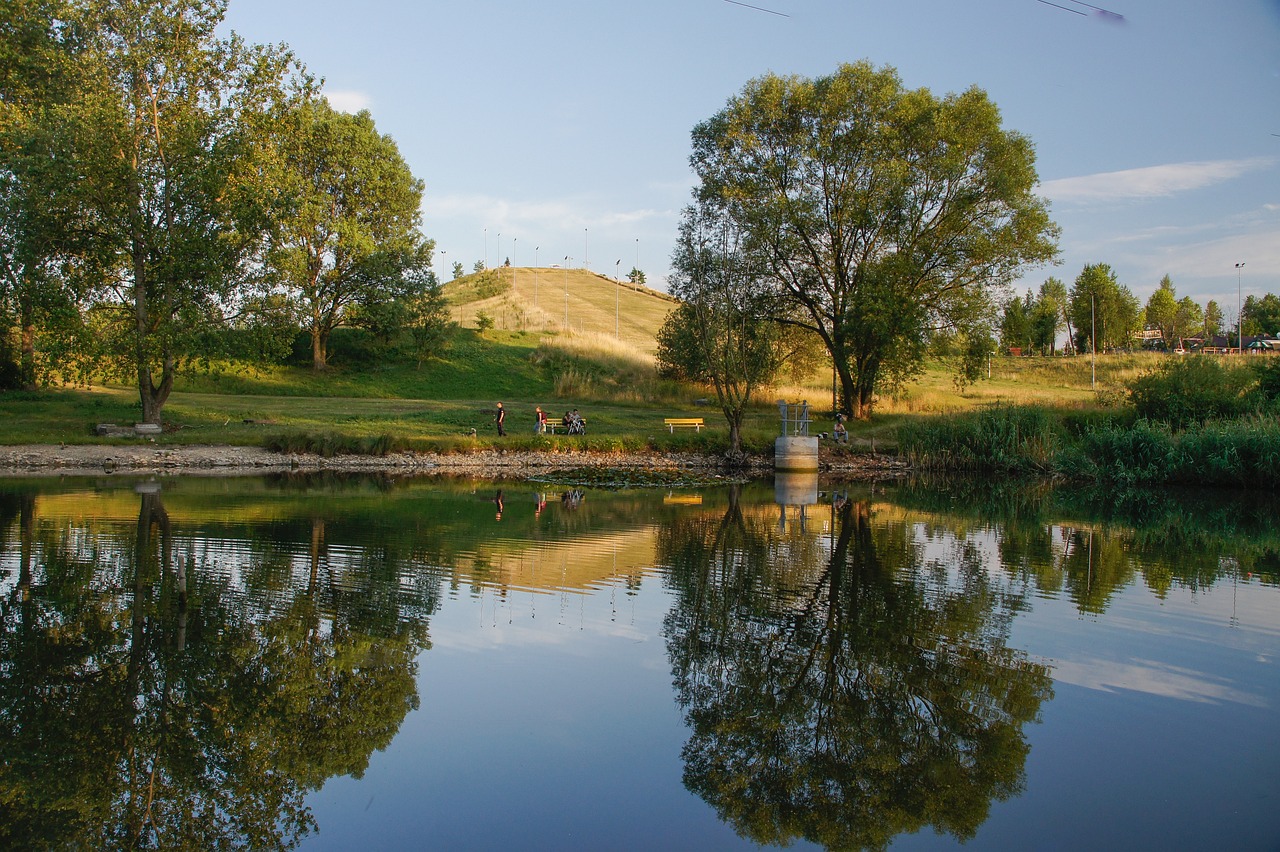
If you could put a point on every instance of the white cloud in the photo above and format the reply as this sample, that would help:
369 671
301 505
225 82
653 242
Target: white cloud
1154 678
348 100
1150 182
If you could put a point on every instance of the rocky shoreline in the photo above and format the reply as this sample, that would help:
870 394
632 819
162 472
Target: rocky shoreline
221 460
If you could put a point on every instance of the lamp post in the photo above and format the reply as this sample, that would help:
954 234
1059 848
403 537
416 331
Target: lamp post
535 276
566 291
486 247
1240 308
514 245
617 298
499 257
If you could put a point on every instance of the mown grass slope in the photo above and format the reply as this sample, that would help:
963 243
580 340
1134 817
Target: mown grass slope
552 300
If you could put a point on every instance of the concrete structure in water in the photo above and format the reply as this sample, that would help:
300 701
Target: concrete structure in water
795 450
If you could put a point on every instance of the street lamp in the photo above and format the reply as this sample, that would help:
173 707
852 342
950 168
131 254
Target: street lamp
486 247
567 259
1240 308
535 276
617 298
585 264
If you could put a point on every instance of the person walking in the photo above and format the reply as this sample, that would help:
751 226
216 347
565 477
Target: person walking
540 422
500 418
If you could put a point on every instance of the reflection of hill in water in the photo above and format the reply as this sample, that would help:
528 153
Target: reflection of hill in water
586 562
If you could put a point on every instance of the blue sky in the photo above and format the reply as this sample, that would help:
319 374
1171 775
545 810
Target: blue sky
564 125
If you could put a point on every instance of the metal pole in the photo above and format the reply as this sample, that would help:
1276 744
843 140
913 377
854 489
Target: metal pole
535 276
1093 345
566 292
617 298
1240 308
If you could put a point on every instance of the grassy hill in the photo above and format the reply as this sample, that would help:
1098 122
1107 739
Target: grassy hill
547 299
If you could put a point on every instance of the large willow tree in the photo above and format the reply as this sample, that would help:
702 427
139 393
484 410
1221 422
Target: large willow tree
882 214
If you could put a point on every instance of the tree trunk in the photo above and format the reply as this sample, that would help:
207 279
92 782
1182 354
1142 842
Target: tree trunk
319 357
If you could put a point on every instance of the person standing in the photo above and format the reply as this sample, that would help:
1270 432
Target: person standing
501 418
540 422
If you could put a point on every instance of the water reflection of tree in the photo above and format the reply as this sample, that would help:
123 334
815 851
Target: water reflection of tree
845 695
148 701
1091 543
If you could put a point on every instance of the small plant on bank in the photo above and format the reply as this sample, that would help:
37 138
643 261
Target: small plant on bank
330 444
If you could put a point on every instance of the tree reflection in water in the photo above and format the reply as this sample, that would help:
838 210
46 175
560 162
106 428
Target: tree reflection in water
150 701
844 689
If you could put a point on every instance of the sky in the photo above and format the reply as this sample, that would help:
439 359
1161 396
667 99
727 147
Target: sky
563 127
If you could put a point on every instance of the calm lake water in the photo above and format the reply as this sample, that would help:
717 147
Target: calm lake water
364 663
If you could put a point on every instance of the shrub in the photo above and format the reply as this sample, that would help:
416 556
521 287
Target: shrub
1143 453
1193 389
329 444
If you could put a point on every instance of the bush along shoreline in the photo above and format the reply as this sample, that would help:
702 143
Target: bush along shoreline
1122 450
1198 420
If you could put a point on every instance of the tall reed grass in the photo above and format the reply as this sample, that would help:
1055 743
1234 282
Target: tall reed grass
1107 450
1001 438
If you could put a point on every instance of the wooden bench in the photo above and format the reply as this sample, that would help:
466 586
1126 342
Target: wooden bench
694 423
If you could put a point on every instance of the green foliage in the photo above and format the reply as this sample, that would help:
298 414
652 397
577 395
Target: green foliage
678 356
635 276
1262 315
1161 312
330 444
155 176
11 377
1016 322
726 314
1193 389
1267 371
1002 438
1212 320
879 213
1102 310
347 245
484 322
1105 447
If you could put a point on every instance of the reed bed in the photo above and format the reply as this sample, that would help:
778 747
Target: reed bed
1109 450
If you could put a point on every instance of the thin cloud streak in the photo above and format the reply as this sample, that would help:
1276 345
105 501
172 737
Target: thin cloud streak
1150 182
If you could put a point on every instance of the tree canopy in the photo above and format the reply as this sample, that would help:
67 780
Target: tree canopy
721 332
348 245
880 214
145 163
1101 304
